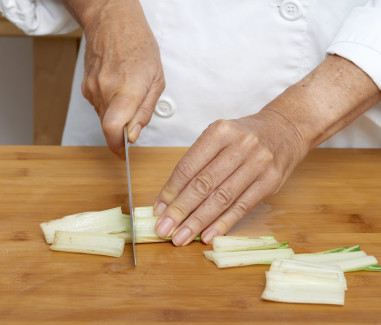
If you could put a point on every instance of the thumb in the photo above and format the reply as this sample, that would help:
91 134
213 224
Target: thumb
119 112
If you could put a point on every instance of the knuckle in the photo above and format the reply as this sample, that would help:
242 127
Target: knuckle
179 210
199 222
86 92
184 169
169 193
268 156
160 83
222 127
203 184
223 226
250 140
145 114
109 125
223 197
241 208
105 83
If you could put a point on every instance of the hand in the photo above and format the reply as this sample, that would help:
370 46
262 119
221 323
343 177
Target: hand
231 167
123 73
235 164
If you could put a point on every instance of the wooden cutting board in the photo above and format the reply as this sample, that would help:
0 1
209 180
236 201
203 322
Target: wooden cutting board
333 199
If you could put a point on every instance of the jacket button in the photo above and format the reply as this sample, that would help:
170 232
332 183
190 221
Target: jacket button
291 9
164 108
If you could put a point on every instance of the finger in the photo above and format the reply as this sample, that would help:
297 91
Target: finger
253 195
144 113
198 189
218 202
119 112
204 150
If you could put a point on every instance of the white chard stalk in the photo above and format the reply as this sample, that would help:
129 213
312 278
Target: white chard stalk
209 255
365 263
108 221
235 243
349 259
243 258
143 212
328 258
144 231
300 282
88 243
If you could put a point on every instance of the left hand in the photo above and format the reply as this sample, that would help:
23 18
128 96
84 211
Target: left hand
231 167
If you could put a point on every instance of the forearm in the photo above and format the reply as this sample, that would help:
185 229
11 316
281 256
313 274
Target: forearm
84 11
325 101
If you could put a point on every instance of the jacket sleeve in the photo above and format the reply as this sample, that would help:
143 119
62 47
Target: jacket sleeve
38 17
359 39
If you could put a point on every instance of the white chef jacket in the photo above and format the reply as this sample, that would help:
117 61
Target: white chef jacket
225 59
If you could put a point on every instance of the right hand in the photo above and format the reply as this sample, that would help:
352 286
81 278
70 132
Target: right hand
123 72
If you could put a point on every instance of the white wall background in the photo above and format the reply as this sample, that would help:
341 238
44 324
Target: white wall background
16 90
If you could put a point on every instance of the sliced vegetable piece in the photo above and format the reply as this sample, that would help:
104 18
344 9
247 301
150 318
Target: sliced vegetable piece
235 243
365 263
326 258
345 249
144 231
300 267
232 259
88 243
209 255
303 288
108 221
143 212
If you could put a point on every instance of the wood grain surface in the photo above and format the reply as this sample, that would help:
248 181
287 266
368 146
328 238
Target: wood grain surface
333 199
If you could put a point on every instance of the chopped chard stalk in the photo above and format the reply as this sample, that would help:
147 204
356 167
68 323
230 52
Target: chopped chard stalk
88 243
326 258
365 263
303 288
294 266
234 243
243 258
143 212
108 221
209 255
346 249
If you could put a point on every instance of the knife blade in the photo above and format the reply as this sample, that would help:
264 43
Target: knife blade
132 218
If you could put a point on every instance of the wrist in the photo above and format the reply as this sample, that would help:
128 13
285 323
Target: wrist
326 100
288 139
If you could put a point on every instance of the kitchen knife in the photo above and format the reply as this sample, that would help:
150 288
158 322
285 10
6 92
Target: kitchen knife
132 218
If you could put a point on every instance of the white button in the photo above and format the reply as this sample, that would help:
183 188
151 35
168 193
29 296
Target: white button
291 9
164 108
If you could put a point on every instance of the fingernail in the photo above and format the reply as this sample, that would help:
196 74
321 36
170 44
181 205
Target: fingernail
159 209
182 236
208 237
164 227
134 134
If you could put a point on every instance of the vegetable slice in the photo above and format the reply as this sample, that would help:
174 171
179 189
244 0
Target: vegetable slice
144 231
303 288
89 243
300 267
108 221
328 258
143 212
365 263
235 243
209 255
231 259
